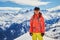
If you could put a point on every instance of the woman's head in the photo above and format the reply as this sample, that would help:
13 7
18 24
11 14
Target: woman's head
36 10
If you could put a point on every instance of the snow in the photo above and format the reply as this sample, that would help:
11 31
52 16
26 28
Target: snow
54 31
46 16
26 36
18 18
54 8
28 15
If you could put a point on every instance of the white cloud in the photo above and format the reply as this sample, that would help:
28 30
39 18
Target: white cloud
54 8
10 8
30 2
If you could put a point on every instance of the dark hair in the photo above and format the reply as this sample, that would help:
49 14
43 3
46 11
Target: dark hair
36 8
40 14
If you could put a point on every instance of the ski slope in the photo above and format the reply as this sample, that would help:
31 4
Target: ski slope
26 36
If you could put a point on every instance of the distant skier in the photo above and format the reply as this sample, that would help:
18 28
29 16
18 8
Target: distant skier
37 25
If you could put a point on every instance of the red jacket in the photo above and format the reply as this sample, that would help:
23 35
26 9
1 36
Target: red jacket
37 26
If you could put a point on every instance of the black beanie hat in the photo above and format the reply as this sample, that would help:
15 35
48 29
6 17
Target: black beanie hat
36 8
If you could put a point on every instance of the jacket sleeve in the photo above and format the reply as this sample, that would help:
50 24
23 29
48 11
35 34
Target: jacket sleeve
31 25
42 25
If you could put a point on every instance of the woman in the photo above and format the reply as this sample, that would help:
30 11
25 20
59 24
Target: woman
37 25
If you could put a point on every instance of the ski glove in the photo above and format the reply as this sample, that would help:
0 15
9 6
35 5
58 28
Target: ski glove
31 34
42 34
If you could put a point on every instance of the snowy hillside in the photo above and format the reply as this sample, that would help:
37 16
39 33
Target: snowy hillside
26 36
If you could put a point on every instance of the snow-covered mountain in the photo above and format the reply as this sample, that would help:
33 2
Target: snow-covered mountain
13 25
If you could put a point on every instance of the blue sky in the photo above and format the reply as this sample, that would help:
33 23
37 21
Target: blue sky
43 4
